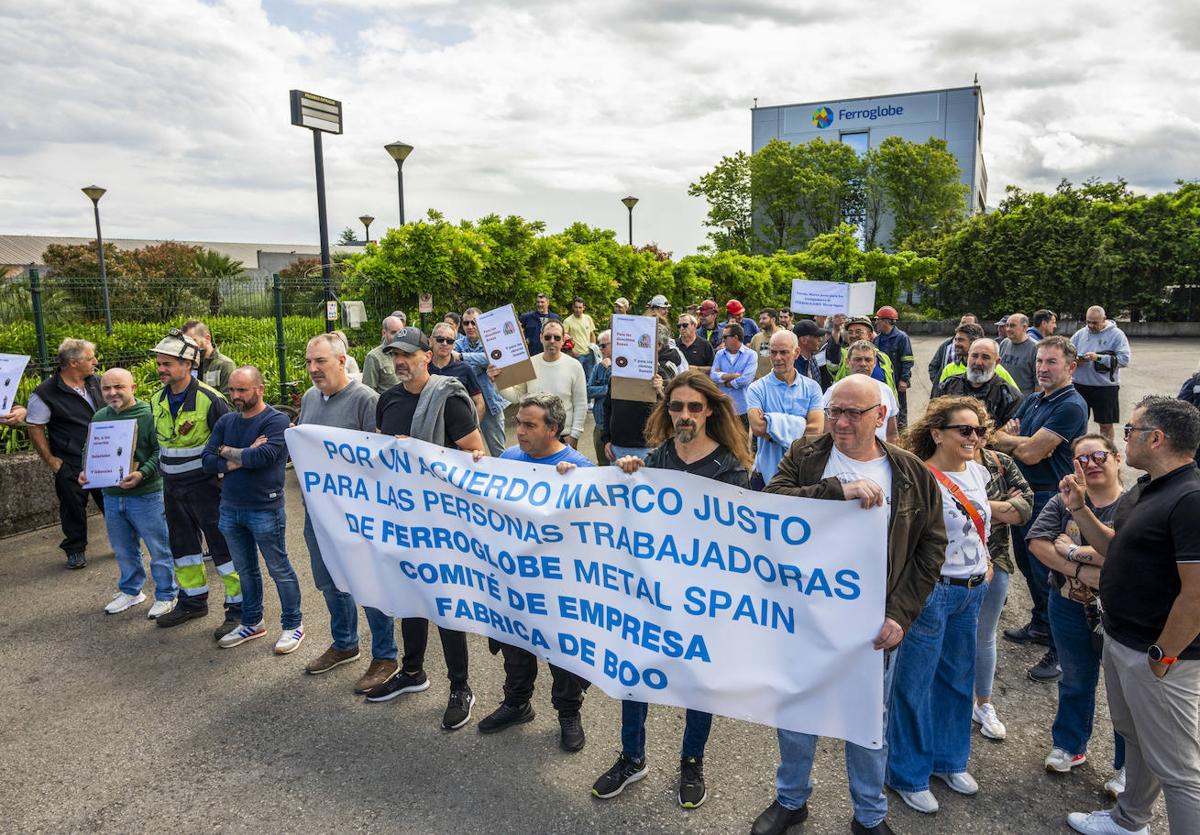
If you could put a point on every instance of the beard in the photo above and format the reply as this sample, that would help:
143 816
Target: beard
244 405
686 431
978 377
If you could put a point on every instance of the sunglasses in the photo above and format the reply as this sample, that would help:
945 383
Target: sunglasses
551 337
966 430
836 413
444 340
692 406
1097 457
685 324
729 336
468 322
1130 429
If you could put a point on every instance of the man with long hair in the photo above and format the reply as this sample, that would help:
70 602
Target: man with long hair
693 429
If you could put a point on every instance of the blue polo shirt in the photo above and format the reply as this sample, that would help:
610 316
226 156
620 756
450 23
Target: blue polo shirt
1065 414
744 363
771 394
514 453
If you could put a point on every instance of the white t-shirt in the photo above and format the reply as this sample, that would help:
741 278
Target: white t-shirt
846 469
885 397
966 555
38 413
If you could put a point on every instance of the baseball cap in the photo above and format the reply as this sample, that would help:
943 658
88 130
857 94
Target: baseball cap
807 327
1003 320
735 307
707 306
408 340
622 302
659 301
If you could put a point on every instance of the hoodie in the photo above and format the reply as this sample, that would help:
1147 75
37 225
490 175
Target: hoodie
1105 371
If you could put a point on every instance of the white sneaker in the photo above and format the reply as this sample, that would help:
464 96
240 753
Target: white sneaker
1101 823
989 723
1115 784
960 781
242 634
1062 762
122 601
922 801
289 640
160 608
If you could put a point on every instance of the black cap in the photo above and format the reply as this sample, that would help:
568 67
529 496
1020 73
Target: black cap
408 340
807 327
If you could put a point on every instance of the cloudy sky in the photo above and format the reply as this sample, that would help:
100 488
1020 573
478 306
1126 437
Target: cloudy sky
549 110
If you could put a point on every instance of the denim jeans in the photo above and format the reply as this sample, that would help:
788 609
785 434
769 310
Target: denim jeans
246 530
588 361
128 519
696 726
622 451
343 611
1037 575
864 766
931 700
491 426
1080 675
985 635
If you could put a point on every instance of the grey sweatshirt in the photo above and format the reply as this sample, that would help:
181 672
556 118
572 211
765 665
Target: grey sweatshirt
351 408
1109 339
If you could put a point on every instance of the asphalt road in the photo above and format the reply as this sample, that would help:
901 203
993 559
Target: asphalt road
110 724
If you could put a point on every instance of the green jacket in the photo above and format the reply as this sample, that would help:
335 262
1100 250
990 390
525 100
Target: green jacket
145 453
182 438
216 371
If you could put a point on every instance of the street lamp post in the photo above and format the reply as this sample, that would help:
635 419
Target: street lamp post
630 202
729 224
94 194
366 221
399 151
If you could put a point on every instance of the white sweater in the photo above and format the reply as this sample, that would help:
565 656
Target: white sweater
563 377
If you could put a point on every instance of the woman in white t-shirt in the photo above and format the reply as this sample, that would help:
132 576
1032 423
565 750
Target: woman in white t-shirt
929 725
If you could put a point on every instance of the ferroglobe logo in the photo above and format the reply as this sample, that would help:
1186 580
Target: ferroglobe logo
822 117
873 113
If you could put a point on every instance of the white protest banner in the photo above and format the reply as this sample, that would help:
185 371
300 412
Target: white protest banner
661 587
505 345
12 366
109 452
828 298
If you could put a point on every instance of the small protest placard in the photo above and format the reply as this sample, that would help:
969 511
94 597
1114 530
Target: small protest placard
634 357
828 298
109 452
12 366
505 346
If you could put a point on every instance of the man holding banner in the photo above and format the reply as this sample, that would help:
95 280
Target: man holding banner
694 429
851 464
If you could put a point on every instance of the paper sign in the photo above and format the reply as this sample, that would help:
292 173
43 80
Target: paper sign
12 366
425 303
109 452
505 346
826 298
634 357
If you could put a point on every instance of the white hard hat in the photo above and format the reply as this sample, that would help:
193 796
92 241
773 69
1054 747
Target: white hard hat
175 344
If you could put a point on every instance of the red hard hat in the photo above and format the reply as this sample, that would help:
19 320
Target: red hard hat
887 312
735 307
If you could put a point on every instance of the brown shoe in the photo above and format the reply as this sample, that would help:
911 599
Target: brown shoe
329 659
379 672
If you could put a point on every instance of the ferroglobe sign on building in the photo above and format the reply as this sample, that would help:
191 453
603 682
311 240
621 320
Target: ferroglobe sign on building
823 116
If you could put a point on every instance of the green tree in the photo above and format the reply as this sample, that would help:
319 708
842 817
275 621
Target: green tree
215 268
773 193
828 186
727 190
922 185
347 236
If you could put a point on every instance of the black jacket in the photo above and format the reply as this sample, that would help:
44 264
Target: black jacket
70 415
999 397
722 466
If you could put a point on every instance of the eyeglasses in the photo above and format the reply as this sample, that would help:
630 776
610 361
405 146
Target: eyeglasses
729 336
692 406
685 325
966 430
855 415
1130 429
551 337
1097 457
444 340
468 322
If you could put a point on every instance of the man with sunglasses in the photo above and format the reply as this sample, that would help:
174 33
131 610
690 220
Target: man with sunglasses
850 463
557 374
1150 596
443 362
698 352
1039 437
469 348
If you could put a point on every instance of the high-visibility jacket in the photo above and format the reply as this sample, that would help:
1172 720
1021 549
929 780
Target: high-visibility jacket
181 438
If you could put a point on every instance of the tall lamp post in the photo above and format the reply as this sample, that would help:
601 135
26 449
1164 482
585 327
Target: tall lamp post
399 151
366 221
630 202
94 194
730 224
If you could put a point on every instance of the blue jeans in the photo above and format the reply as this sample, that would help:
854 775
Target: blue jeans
343 611
128 519
491 426
864 766
622 451
696 725
1037 575
588 361
266 529
1080 663
931 702
985 635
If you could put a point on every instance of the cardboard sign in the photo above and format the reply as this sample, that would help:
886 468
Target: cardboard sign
634 357
505 345
109 452
425 303
828 298
12 366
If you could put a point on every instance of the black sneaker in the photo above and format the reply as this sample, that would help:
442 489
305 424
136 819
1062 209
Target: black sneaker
880 828
400 682
1046 671
623 772
1027 635
76 560
181 613
233 619
691 782
571 737
777 819
506 716
458 709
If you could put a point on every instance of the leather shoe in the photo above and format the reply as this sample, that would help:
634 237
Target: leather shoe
1027 635
778 819
880 828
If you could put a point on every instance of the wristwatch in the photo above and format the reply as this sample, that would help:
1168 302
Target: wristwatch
1156 655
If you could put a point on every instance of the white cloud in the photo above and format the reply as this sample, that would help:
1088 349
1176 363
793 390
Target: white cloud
552 110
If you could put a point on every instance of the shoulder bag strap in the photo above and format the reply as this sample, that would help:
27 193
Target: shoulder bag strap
957 493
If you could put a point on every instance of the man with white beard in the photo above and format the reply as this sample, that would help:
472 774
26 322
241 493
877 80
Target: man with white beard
981 381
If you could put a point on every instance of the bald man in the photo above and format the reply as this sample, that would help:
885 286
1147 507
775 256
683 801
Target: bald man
377 372
133 508
1103 352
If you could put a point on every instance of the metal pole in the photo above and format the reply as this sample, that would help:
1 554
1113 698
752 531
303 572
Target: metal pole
39 323
631 225
400 182
324 225
103 272
280 349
